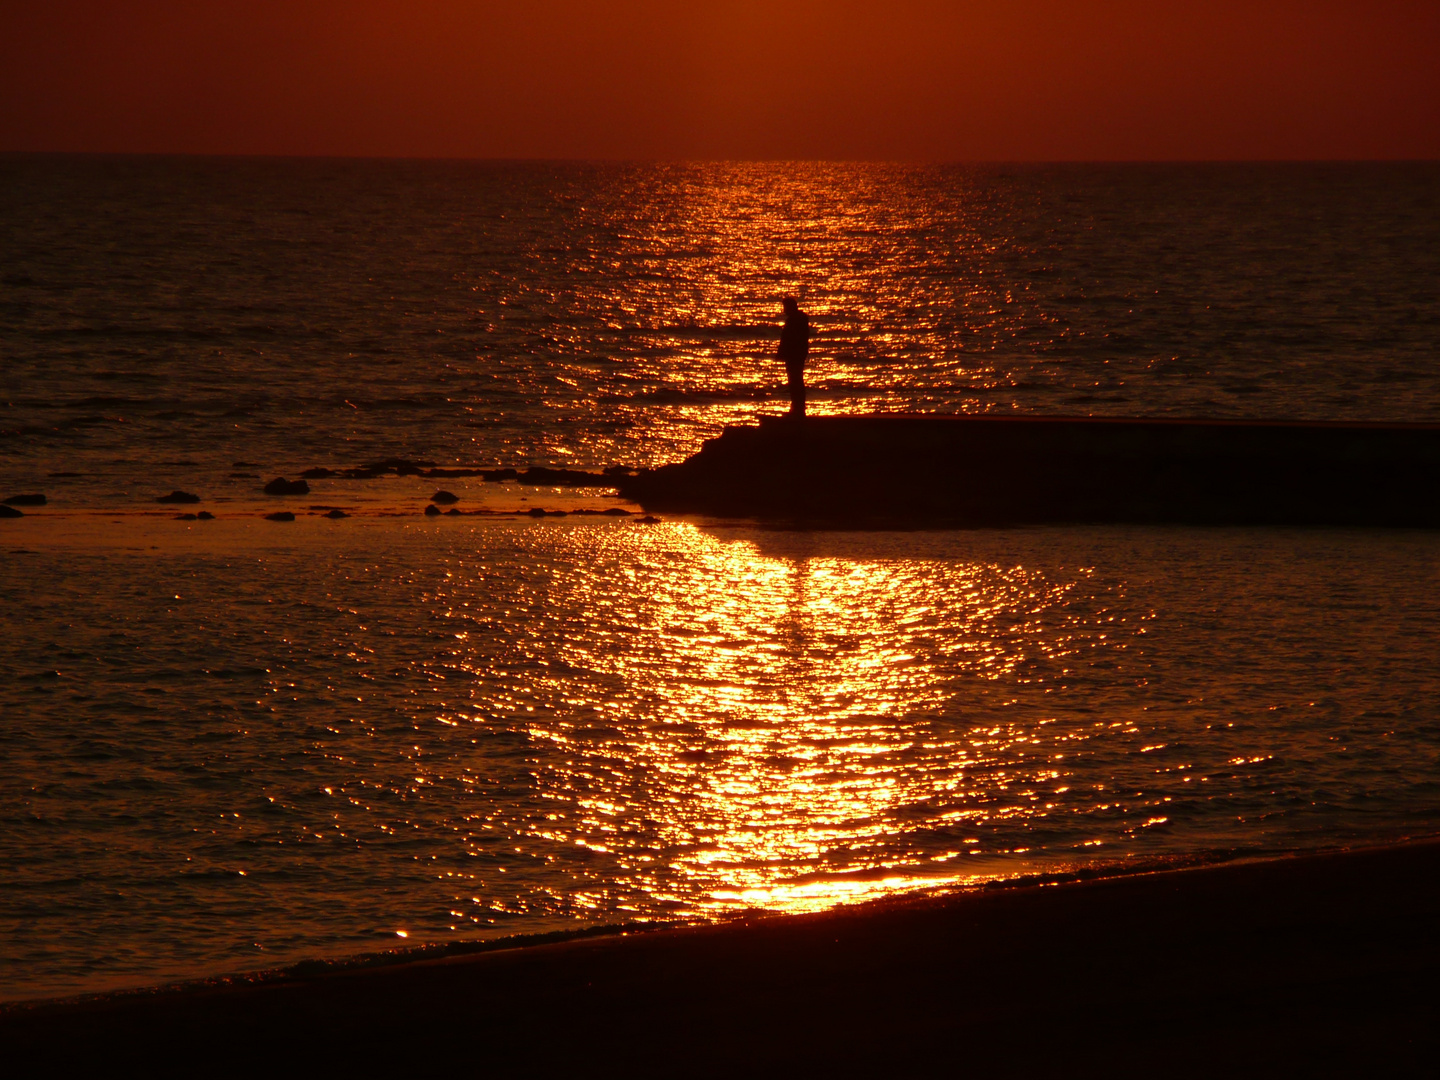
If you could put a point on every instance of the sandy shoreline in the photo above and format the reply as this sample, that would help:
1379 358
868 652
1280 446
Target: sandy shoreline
1316 957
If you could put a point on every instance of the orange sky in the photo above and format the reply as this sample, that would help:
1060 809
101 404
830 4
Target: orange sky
926 79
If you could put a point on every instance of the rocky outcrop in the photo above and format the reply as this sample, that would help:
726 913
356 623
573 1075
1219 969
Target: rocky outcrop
281 486
909 470
178 496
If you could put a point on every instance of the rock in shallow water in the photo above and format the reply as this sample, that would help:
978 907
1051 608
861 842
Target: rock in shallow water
9 512
432 510
280 515
444 498
281 486
336 514
399 466
543 477
178 496
25 500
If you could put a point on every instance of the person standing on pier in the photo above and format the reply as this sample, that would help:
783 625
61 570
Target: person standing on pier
794 349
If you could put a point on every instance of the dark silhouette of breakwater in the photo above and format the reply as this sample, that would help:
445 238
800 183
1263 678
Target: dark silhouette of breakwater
926 470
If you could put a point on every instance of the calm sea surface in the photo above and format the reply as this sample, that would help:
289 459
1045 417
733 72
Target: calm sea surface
235 744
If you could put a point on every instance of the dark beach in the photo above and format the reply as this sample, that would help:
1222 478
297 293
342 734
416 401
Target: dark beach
1327 959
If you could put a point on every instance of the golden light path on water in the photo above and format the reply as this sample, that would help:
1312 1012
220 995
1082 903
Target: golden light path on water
714 251
245 741
774 714
798 669
312 739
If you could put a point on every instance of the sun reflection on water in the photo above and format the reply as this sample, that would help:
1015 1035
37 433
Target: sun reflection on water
457 730
901 319
736 727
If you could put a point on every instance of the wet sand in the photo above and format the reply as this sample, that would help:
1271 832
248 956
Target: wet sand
1325 960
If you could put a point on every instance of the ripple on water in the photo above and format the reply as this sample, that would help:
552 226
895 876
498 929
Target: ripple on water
230 758
508 314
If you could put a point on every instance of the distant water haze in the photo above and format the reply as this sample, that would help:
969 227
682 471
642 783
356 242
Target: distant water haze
239 743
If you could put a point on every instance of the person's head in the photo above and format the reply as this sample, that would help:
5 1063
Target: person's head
790 304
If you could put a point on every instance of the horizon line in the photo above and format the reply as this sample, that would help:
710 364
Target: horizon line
621 160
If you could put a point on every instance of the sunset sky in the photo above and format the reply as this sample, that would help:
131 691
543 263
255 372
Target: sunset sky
903 79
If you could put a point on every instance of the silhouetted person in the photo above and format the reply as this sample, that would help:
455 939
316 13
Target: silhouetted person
794 348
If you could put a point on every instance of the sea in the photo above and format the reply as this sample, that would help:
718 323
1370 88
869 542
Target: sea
237 744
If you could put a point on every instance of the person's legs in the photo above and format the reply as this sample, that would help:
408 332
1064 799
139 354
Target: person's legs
796 375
